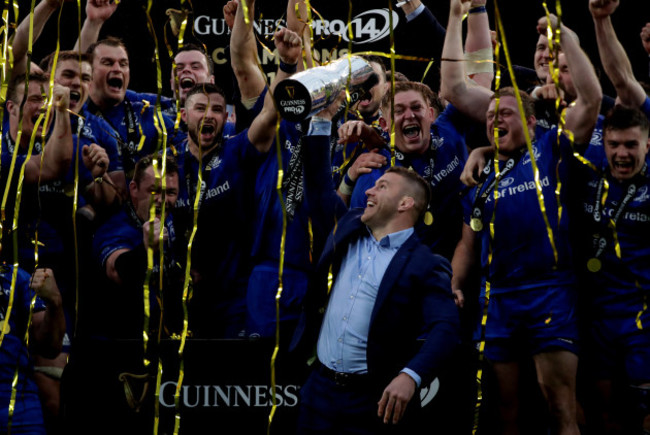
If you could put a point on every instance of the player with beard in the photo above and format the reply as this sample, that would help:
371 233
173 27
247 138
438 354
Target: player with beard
525 255
221 249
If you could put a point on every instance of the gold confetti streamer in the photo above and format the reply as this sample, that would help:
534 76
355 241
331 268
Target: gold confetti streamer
278 295
639 325
161 130
533 162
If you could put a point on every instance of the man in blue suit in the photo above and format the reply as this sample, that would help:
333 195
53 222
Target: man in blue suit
388 290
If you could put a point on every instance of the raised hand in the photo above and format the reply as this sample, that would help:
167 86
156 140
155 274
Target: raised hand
645 37
229 12
100 10
602 8
289 46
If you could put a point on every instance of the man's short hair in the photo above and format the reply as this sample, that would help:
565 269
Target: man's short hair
399 77
622 118
375 59
421 192
204 88
111 41
46 63
199 48
427 94
20 79
526 100
145 162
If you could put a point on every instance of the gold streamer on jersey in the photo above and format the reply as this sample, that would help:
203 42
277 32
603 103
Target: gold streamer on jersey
638 321
278 295
533 162
484 314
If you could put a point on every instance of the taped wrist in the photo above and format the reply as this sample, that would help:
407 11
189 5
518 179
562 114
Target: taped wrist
479 61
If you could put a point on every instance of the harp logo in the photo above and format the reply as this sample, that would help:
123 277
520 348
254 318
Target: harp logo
291 92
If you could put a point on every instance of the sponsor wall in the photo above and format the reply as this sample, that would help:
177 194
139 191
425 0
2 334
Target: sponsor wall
368 22
227 385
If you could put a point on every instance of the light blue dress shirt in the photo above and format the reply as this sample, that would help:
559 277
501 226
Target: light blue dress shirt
344 335
416 13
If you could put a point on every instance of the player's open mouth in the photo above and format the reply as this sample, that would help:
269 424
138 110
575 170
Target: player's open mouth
186 83
207 129
75 96
411 131
622 164
115 82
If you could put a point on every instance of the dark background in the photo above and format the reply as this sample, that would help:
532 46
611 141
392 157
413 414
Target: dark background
519 17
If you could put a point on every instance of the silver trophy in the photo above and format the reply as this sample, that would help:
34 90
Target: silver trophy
310 91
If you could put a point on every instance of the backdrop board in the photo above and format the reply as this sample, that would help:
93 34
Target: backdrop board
367 18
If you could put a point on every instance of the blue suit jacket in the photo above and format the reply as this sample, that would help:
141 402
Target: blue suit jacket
414 297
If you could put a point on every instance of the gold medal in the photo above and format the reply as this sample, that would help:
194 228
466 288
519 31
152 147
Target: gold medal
428 218
594 265
4 327
476 224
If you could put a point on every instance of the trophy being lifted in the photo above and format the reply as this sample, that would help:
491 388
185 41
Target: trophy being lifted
310 91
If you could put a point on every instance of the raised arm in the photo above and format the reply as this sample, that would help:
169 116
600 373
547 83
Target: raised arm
97 12
478 45
297 22
473 101
42 13
243 50
613 56
582 115
262 130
